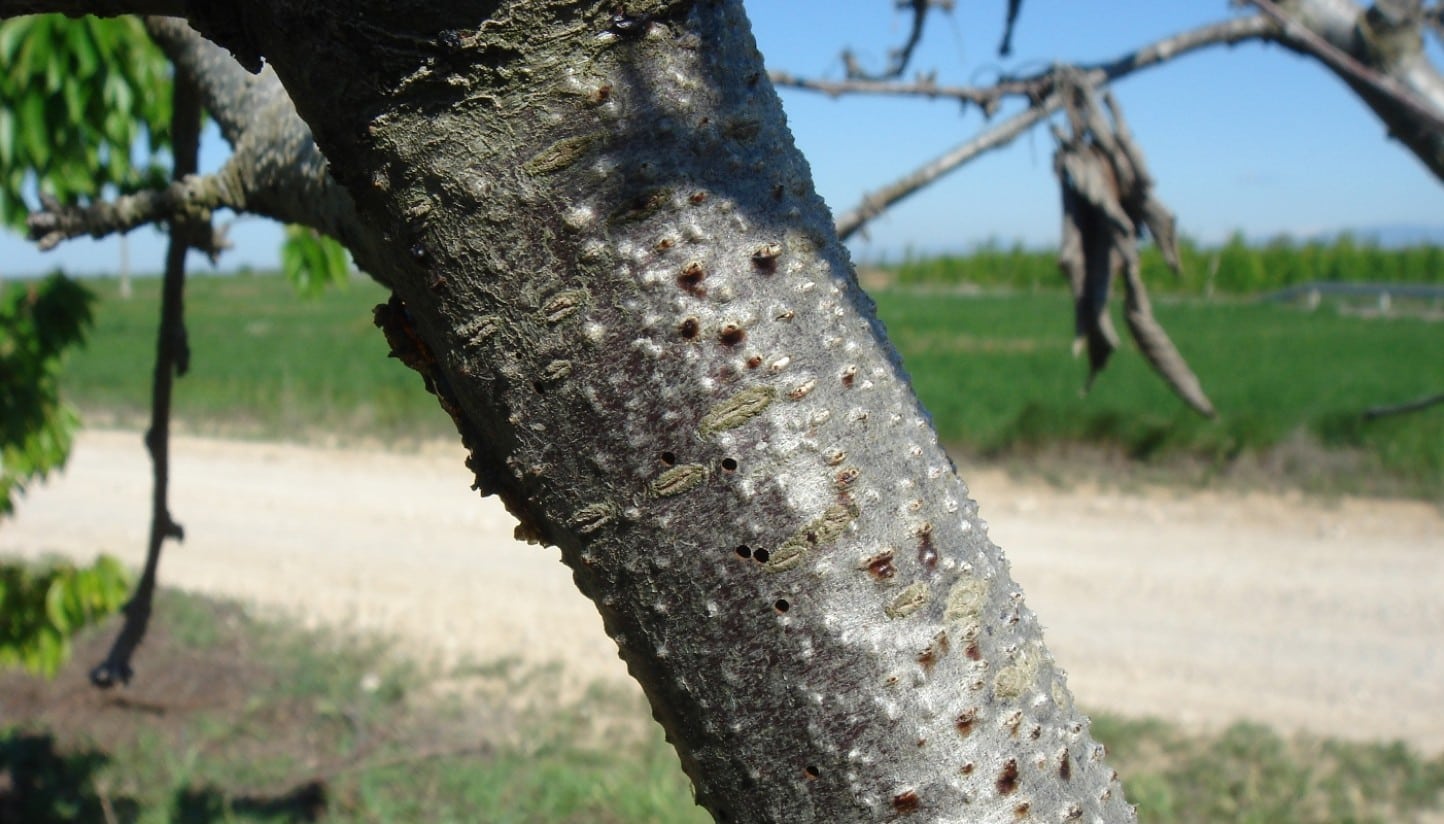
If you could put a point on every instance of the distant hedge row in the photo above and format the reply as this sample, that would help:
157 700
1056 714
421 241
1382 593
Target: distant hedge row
1235 267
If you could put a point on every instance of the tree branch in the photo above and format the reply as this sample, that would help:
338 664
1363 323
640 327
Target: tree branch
898 58
276 170
172 359
190 196
1381 56
1044 88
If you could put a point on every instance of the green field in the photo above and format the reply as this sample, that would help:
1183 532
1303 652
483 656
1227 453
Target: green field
994 370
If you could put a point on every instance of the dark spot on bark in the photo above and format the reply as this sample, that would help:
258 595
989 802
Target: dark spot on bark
743 551
601 94
846 476
436 282
640 207
973 653
1021 811
966 722
927 553
754 361
810 772
906 802
669 458
1065 765
689 328
777 191
781 605
761 555
732 334
967 768
1008 778
691 279
664 244
849 375
880 565
729 465
697 197
628 25
753 79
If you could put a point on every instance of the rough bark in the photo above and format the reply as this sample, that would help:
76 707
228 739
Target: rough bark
610 265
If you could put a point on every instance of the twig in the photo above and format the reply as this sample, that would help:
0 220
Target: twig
172 359
899 58
1376 412
1228 32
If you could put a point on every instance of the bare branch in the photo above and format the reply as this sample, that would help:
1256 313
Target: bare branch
1006 47
1351 69
172 359
193 196
899 58
1043 88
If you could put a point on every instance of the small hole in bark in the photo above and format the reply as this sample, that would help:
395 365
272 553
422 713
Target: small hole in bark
906 802
669 458
1008 778
729 465
689 328
744 551
754 361
810 771
691 278
761 555
732 334
781 605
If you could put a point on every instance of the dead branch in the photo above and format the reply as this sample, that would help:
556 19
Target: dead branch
1043 88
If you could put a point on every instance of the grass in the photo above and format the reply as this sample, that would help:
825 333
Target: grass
994 371
240 719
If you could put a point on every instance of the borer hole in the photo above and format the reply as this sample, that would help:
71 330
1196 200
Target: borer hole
781 605
761 555
729 465
689 328
669 458
810 771
744 551
732 334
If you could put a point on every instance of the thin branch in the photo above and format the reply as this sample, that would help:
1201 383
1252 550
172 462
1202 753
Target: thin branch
898 58
172 359
1228 32
192 195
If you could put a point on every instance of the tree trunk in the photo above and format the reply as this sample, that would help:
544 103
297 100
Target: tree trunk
611 267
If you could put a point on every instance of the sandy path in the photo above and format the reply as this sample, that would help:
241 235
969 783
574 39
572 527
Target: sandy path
1199 607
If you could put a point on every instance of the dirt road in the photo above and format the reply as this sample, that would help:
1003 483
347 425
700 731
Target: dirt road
1202 608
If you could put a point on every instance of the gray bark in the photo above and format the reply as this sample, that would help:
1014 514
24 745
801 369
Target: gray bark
611 266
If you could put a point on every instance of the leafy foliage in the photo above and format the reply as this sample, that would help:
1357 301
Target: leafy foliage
312 261
44 606
76 97
38 323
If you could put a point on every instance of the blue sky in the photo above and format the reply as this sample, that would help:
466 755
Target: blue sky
1250 137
